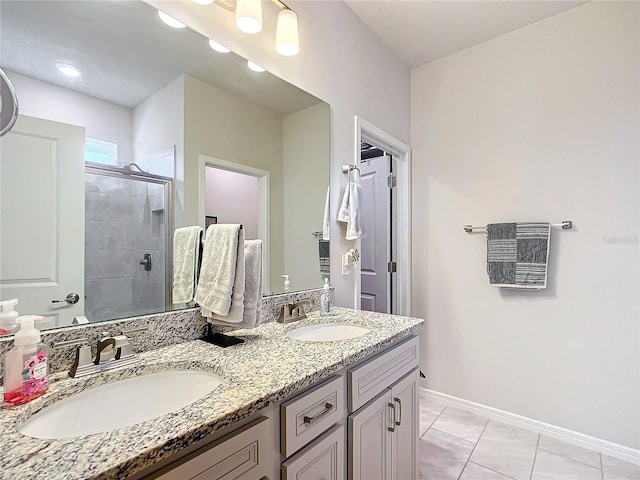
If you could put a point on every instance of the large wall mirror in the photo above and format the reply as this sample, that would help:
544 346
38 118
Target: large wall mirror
154 131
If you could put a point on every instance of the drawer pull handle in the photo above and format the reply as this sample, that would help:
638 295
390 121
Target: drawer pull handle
327 408
394 422
397 400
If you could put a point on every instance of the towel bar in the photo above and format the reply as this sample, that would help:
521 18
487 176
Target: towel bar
566 225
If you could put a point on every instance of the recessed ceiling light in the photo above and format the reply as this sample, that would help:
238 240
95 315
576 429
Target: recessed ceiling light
217 47
255 67
172 22
69 70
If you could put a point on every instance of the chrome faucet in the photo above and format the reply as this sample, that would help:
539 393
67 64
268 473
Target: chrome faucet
111 352
292 312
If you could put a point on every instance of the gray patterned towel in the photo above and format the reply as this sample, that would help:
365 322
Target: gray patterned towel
323 253
517 254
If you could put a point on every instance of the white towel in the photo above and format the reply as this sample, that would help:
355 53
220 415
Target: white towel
351 208
222 272
186 260
326 228
252 315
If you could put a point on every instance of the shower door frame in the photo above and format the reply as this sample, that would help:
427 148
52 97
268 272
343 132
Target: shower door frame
167 182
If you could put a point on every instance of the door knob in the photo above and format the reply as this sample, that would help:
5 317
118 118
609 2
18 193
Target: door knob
71 299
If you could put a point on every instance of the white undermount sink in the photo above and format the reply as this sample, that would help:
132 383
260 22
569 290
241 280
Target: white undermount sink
327 332
120 404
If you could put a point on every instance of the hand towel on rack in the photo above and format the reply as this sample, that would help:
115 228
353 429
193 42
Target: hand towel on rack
252 314
351 208
326 227
222 272
323 254
517 254
187 242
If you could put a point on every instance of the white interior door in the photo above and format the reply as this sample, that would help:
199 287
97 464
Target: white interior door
42 241
375 246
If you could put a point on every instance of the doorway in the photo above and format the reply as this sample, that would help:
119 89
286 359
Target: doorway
383 277
378 244
215 173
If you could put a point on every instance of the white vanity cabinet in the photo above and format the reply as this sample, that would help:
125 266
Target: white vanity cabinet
383 420
361 423
310 426
244 454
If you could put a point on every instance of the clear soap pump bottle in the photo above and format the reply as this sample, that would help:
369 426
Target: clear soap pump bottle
25 368
9 317
325 299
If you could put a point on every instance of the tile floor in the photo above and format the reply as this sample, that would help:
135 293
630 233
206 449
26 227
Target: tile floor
458 445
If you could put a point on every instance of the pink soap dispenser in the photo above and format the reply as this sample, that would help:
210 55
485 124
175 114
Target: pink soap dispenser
25 368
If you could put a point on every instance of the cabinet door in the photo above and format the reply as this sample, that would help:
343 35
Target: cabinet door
370 440
323 458
241 455
405 438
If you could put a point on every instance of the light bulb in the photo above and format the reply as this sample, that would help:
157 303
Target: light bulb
287 33
255 67
249 16
203 2
172 22
217 47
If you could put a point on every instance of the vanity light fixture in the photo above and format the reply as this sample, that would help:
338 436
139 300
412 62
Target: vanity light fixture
249 16
249 20
287 33
172 22
255 67
69 70
218 47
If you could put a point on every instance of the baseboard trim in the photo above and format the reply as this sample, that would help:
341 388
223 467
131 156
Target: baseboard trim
575 438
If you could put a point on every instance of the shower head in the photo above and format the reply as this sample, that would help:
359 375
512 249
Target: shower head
128 168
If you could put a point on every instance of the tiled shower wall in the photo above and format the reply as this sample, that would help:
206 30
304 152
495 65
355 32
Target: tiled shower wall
124 219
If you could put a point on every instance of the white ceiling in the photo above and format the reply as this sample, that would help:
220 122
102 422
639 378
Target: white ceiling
421 31
126 53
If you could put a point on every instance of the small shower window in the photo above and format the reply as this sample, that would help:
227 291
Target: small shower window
99 151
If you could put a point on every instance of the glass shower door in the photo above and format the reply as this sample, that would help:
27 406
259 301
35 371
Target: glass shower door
126 243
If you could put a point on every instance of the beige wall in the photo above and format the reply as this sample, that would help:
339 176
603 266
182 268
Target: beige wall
306 178
341 62
102 120
158 123
540 124
245 134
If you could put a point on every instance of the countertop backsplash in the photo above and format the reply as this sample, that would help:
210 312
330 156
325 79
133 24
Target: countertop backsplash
161 329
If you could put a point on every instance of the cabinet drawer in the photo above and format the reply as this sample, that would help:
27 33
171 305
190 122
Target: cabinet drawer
308 415
324 459
240 455
372 377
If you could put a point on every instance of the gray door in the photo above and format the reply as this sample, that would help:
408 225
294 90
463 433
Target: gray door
376 238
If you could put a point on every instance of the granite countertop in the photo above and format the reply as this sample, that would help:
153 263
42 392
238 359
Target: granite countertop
267 368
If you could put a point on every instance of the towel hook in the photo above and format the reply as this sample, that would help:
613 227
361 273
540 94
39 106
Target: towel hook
346 168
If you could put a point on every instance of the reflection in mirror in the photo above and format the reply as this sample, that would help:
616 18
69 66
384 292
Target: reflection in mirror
100 167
